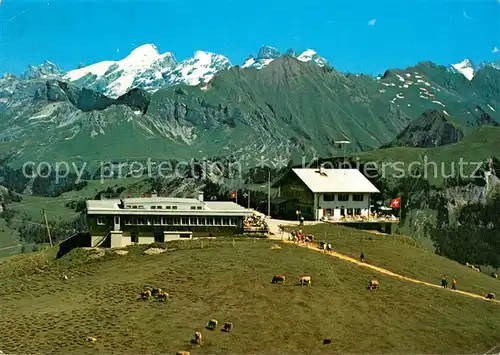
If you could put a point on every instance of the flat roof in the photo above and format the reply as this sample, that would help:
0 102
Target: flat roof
152 200
335 180
111 206
224 205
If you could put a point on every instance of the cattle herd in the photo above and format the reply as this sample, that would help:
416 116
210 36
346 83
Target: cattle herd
198 337
150 292
306 280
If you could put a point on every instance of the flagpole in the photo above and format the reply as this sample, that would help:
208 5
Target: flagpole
248 199
400 208
269 194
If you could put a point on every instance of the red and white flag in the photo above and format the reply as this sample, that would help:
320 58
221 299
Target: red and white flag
232 195
396 203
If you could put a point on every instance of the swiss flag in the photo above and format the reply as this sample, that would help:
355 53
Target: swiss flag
396 203
232 194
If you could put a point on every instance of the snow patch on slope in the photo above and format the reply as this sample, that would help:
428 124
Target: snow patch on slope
466 68
311 55
200 69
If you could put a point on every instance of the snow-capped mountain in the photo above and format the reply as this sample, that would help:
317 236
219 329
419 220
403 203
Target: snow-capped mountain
115 78
199 69
465 67
495 64
267 54
311 55
146 68
43 71
468 69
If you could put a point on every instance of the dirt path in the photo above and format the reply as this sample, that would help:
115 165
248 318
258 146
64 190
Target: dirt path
11 247
384 271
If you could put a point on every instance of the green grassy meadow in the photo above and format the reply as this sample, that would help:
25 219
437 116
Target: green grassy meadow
442 161
399 254
43 314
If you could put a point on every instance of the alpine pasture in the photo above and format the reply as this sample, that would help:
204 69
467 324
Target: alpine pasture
231 282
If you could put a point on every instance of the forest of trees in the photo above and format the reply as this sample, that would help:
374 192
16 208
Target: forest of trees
475 237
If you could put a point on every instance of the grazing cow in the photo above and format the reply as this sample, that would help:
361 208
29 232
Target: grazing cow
490 296
145 295
495 276
278 279
162 296
64 277
183 353
305 280
155 292
198 338
373 285
228 326
91 340
212 324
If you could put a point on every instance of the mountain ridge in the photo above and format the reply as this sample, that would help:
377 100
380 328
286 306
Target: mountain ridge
144 67
287 109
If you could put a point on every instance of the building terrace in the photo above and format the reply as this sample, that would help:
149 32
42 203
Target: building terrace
120 222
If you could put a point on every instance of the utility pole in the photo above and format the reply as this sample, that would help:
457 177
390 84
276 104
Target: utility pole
47 225
269 194
247 195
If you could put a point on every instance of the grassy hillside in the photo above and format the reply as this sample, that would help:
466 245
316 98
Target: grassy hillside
56 206
44 314
9 240
399 254
479 145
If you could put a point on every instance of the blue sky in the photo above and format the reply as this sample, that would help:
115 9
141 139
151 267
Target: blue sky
401 32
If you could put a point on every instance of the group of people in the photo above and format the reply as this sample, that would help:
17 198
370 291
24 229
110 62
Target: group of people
444 283
299 236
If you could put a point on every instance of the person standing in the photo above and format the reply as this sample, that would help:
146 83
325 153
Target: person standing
362 257
444 283
454 284
301 220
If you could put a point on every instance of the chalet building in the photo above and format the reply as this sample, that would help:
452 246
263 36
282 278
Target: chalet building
323 194
122 222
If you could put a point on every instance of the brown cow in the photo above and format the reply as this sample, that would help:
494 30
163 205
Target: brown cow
91 339
155 292
162 296
197 339
183 353
228 326
490 296
145 295
305 280
278 279
373 285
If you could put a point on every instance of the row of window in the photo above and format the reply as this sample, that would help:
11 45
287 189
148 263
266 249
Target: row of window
343 197
141 207
344 212
173 221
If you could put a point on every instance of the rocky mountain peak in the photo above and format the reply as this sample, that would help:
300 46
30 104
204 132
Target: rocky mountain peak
42 71
268 52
